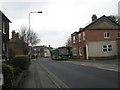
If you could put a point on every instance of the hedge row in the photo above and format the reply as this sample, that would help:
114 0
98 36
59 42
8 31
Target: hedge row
14 67
8 74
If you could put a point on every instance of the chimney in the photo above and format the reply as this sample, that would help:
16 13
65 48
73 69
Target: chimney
49 46
15 35
94 17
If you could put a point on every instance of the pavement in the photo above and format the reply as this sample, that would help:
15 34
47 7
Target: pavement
37 77
111 64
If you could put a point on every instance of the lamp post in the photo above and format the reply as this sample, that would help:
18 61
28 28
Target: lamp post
29 33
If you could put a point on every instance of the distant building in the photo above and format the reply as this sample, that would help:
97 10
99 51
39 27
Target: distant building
16 45
4 36
99 39
41 51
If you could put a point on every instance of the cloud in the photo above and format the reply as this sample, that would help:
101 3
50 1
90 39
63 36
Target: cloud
59 19
18 10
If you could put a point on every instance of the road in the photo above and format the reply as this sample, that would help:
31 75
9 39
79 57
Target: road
78 76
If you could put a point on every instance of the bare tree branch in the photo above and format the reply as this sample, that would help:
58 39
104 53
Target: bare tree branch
28 36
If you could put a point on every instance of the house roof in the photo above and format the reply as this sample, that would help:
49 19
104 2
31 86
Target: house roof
5 16
105 18
74 33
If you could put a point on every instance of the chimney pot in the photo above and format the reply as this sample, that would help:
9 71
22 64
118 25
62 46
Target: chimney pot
94 17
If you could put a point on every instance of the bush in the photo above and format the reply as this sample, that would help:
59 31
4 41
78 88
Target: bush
17 71
8 75
21 62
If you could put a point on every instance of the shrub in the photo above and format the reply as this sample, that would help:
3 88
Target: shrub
17 71
8 75
20 61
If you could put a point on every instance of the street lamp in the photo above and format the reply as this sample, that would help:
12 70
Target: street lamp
29 21
29 31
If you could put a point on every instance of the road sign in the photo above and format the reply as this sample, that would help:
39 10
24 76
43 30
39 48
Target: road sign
30 45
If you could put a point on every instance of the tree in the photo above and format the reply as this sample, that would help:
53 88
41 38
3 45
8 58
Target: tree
28 36
68 42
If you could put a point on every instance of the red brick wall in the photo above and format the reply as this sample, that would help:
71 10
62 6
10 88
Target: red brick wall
82 45
118 43
15 49
74 45
98 35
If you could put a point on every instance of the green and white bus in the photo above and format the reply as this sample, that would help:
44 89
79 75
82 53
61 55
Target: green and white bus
61 53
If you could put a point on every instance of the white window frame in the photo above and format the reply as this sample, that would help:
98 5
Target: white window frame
3 26
79 37
83 36
73 39
118 34
80 51
107 48
106 35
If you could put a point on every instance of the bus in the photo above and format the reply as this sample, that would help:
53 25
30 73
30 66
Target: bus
61 53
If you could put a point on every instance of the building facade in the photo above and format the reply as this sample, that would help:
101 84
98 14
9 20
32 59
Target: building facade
41 51
17 46
99 39
4 36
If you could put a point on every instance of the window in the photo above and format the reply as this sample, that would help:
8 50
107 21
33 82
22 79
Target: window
80 51
118 34
3 27
104 48
74 52
73 39
106 35
107 48
3 47
79 37
83 36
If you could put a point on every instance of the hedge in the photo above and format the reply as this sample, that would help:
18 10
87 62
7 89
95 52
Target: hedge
12 68
20 62
8 74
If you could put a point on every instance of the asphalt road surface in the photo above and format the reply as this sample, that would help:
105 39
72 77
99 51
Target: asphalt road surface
78 76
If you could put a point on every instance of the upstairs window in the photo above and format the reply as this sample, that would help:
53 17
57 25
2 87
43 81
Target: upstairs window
3 26
79 37
73 39
83 36
106 35
118 34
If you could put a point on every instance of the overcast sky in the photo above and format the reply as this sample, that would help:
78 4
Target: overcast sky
59 19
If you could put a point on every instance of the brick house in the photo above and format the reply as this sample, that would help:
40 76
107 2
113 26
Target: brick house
99 39
4 36
16 45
